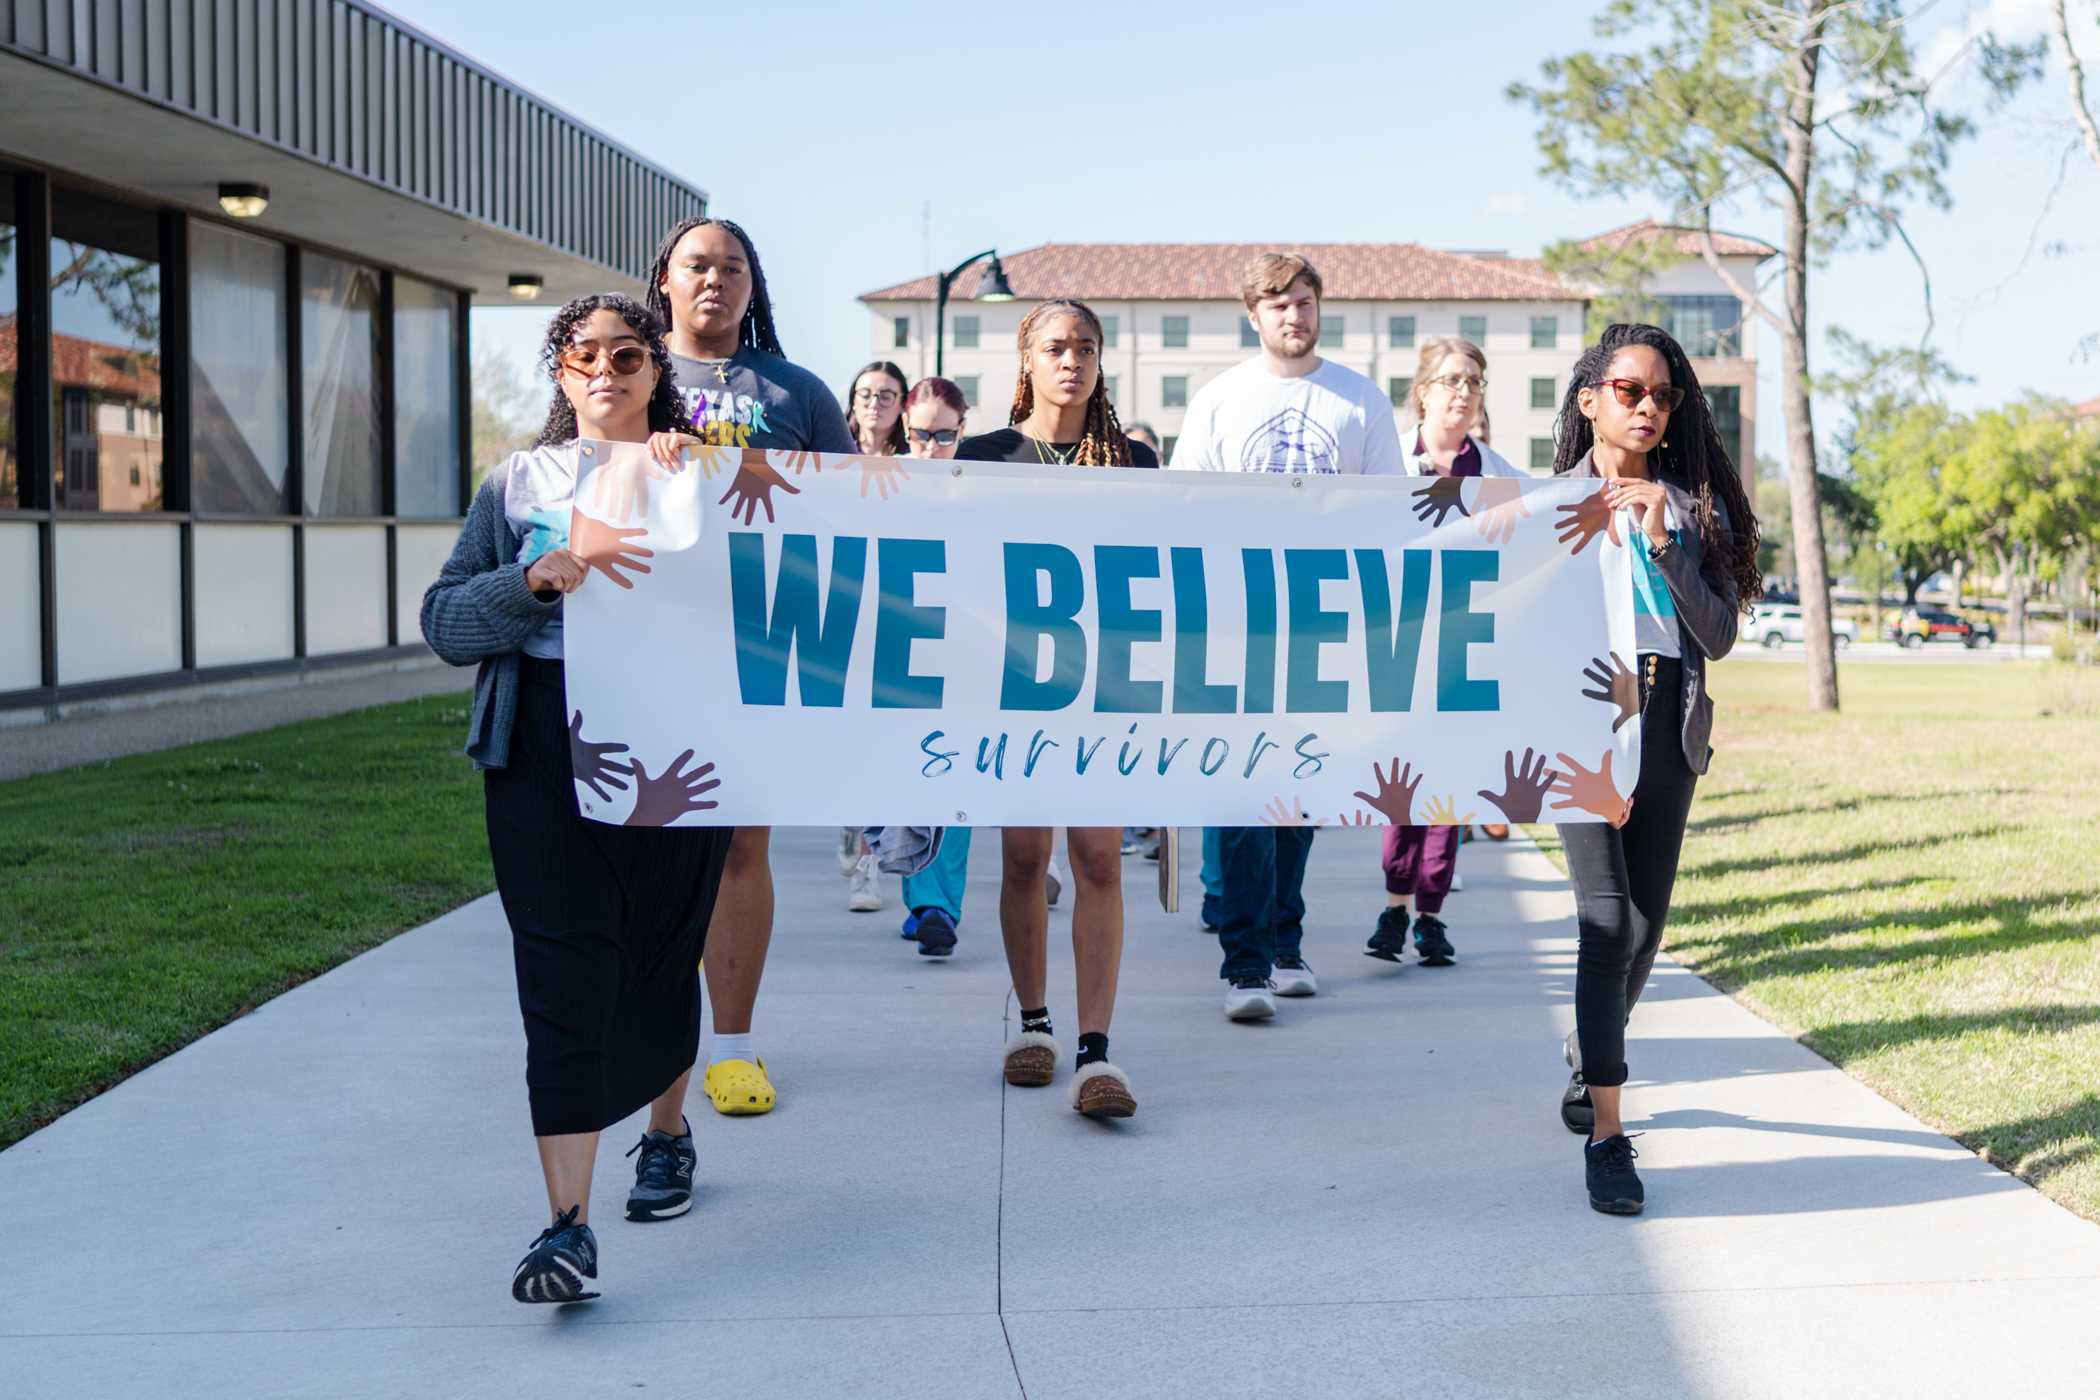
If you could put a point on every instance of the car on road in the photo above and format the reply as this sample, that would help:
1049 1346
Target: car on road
1917 626
1776 624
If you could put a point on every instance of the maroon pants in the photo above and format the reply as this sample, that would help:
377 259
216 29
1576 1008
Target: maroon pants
1419 861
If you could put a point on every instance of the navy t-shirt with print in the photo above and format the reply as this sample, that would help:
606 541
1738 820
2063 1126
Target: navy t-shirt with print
753 399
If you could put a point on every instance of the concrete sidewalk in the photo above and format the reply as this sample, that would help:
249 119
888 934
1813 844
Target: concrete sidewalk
1372 1196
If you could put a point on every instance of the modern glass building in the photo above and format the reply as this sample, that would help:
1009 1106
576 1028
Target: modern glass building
235 442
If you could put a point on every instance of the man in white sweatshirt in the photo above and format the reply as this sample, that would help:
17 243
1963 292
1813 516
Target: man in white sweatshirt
1285 410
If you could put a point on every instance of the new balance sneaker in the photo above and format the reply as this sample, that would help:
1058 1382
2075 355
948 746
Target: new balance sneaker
562 1265
663 1179
1293 978
1250 999
1577 1113
1430 941
862 897
935 932
1389 939
1615 1188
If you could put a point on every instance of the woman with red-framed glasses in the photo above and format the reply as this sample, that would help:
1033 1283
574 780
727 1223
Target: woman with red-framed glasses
1634 415
607 922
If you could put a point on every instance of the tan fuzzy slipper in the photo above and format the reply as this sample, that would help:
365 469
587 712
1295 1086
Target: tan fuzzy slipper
1102 1091
1031 1060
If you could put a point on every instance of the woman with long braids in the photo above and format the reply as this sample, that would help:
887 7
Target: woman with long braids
607 922
1061 414
709 291
1635 416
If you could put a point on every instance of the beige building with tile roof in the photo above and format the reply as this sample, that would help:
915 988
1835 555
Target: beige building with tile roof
1174 320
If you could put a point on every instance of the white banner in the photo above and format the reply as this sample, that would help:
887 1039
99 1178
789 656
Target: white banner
787 639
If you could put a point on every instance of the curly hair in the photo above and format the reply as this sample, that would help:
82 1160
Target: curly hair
1101 442
1692 450
756 330
666 411
893 445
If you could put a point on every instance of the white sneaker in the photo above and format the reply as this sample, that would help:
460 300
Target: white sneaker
862 896
1293 979
1054 881
849 850
1249 1000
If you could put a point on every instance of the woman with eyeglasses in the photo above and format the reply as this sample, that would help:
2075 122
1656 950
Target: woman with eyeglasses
875 409
607 922
1449 398
1634 415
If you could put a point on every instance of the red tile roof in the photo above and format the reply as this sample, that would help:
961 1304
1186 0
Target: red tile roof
1211 272
90 364
1686 240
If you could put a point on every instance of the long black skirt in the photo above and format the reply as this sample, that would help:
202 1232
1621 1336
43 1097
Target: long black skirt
607 927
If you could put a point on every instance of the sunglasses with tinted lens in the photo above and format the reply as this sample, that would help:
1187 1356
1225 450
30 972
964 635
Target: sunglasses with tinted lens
1630 392
624 360
943 436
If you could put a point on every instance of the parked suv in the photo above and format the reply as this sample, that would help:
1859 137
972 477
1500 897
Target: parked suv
1917 626
1776 624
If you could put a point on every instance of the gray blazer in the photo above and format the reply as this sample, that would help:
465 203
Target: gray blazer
480 611
1708 613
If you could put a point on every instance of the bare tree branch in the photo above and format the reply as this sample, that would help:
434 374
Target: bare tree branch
1712 257
2076 79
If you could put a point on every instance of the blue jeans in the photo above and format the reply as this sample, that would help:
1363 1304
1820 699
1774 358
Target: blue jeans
1263 873
1213 881
940 885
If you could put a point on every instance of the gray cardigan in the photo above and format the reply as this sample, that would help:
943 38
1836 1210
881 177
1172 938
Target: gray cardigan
480 611
1708 613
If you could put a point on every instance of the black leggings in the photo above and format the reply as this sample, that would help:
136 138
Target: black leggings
1623 880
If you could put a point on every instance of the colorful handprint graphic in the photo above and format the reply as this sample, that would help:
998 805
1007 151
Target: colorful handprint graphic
1443 811
753 488
1614 686
1435 502
1276 814
1582 521
885 474
609 548
1525 783
588 762
663 799
1395 796
1591 790
1498 504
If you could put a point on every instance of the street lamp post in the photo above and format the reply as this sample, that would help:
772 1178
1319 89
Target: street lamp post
992 288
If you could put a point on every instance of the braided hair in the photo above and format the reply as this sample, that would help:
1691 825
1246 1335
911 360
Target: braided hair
666 412
756 330
1692 451
1101 442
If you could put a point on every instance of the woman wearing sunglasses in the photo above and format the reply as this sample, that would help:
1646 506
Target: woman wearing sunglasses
607 922
1634 416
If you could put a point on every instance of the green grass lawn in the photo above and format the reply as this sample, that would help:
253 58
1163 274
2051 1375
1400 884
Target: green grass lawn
1912 887
152 898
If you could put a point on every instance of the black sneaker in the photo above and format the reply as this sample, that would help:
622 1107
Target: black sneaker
663 1179
1430 942
562 1266
1615 1189
935 932
1389 940
1577 1114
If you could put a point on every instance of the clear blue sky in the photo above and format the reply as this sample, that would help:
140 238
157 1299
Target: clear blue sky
825 128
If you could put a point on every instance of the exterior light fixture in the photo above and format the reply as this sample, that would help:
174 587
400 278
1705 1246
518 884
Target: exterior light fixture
244 201
993 287
525 287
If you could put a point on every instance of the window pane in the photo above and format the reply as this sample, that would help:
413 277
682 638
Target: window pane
1400 389
10 471
1542 393
339 346
968 384
105 353
1166 448
900 332
1112 393
1331 332
1174 391
1250 338
1705 325
1400 332
966 332
1545 332
240 394
1473 328
1725 403
426 399
1108 331
1174 332
1542 455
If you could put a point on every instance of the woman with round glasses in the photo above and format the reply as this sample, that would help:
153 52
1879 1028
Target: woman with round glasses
1634 416
607 922
875 409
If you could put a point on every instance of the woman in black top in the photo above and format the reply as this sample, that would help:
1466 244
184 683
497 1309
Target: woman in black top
1061 414
1634 415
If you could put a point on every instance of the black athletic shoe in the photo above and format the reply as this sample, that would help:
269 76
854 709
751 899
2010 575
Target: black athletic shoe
663 1179
1389 940
935 932
1430 942
1615 1189
1577 1114
562 1266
